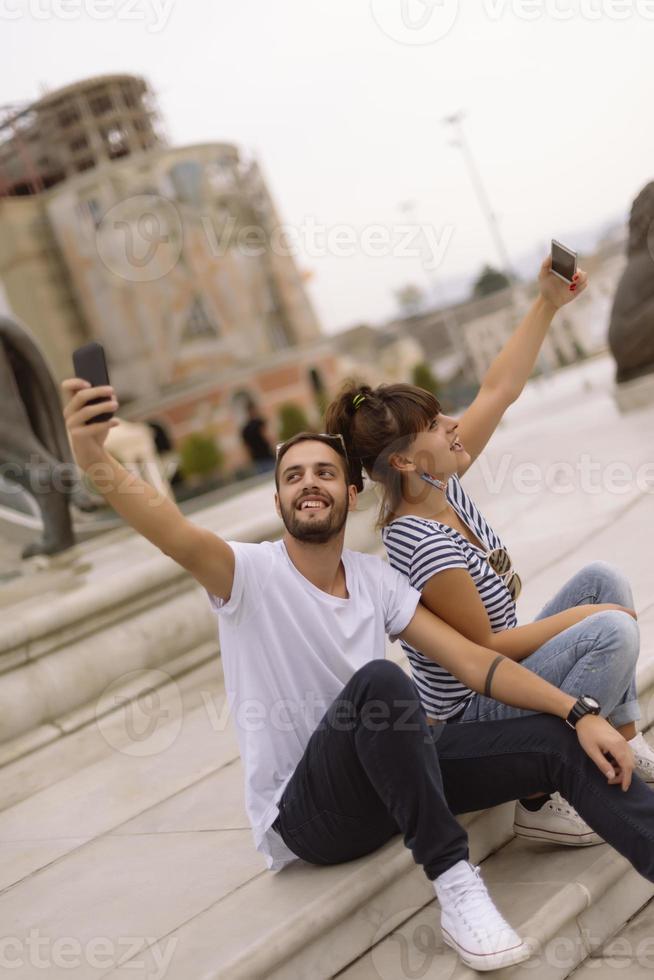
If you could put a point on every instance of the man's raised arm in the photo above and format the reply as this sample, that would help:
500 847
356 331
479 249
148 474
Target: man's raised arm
205 555
496 676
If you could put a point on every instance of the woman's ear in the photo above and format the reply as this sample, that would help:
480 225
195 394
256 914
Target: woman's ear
401 463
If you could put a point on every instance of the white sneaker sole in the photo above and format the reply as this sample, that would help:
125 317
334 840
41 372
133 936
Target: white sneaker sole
488 961
557 837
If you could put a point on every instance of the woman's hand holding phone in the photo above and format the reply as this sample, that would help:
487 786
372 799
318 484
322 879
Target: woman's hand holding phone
554 290
87 441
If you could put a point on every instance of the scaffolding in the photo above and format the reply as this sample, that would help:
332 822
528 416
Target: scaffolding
74 129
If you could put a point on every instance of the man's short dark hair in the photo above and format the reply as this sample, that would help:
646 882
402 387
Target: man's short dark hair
334 442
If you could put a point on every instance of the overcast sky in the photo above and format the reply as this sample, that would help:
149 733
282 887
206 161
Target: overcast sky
342 102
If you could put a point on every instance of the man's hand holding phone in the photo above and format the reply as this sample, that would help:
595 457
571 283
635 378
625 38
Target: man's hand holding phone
87 439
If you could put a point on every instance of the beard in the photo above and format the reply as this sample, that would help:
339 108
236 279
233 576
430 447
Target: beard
316 530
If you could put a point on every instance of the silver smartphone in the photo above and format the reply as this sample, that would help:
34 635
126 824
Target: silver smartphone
564 261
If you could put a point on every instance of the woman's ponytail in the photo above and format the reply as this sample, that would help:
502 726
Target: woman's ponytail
340 418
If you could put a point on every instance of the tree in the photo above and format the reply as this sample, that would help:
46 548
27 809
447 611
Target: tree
423 377
199 455
292 419
410 299
489 281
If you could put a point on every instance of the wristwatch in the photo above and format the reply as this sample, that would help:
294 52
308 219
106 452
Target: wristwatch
585 705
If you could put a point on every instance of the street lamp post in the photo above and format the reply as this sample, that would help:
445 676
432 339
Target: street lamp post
435 294
456 122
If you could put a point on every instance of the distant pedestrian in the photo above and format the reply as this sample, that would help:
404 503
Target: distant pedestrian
254 436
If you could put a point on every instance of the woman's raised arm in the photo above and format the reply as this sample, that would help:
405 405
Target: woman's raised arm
511 369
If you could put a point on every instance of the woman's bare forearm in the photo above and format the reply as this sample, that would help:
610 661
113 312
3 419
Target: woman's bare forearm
522 641
512 367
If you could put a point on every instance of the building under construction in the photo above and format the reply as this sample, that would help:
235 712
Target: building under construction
73 130
163 254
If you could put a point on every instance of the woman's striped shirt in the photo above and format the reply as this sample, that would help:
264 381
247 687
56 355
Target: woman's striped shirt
421 548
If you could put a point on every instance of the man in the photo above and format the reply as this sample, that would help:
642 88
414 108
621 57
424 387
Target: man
254 438
302 628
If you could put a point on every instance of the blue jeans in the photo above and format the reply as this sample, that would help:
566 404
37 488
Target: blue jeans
597 656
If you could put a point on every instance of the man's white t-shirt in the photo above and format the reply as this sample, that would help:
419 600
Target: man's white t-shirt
287 651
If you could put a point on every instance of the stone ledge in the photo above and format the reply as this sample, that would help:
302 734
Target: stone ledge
604 894
632 395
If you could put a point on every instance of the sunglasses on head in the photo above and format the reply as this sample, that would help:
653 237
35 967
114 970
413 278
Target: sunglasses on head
335 438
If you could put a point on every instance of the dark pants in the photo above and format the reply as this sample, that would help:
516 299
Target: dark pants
374 768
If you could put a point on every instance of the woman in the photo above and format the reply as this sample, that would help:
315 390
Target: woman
583 640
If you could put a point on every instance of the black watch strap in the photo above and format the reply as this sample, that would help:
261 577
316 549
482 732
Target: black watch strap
580 709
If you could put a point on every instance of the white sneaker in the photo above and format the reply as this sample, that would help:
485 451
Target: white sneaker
556 821
644 757
472 925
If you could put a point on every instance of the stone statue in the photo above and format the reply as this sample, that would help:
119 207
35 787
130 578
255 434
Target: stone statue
631 330
34 448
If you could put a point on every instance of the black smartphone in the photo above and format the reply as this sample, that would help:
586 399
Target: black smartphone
90 364
564 261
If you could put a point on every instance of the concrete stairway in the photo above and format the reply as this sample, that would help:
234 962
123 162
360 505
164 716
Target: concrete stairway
145 843
126 851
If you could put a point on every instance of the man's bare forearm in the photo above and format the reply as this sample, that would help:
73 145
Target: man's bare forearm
148 511
467 661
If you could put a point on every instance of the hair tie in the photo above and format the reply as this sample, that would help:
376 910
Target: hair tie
357 400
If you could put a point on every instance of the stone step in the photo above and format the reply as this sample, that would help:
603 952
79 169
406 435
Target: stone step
630 953
120 781
82 747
